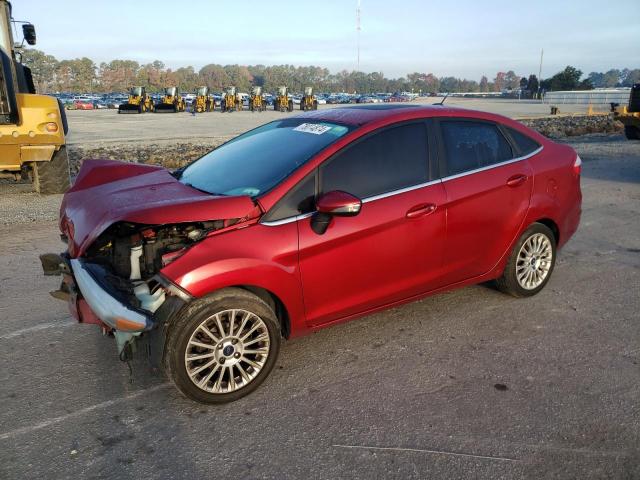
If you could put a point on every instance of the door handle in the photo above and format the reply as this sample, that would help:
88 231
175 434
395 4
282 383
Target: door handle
421 210
516 180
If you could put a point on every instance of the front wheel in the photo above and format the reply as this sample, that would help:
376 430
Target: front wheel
223 346
531 262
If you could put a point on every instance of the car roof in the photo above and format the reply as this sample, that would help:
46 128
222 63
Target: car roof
359 115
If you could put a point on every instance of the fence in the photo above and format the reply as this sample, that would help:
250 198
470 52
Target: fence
589 97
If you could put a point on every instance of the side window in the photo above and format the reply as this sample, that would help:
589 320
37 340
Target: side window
300 199
471 145
525 144
392 159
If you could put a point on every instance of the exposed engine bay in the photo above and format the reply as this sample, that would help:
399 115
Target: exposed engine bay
138 252
131 255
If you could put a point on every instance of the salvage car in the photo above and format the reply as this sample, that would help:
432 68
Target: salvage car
306 222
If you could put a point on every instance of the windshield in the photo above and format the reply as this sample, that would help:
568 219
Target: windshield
257 161
170 91
136 91
202 91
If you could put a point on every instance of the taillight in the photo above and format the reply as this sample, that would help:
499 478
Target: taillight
577 166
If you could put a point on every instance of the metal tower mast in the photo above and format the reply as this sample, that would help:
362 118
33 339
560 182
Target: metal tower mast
358 31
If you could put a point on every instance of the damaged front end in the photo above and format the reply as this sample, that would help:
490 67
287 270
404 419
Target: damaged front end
123 223
117 283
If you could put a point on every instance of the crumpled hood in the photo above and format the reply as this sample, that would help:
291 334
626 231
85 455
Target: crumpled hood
107 191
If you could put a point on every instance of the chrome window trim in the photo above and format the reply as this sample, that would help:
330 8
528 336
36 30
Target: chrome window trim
373 198
284 221
495 165
380 196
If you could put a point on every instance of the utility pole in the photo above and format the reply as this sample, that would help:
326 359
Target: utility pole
540 72
358 31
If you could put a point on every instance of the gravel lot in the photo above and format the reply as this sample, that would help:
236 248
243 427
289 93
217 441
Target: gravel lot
407 393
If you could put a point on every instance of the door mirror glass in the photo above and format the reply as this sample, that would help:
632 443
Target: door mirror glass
338 203
29 33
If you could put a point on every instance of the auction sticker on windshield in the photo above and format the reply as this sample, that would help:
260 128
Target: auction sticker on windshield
315 128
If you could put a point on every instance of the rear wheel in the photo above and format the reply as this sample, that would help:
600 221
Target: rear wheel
531 262
223 346
53 176
631 132
290 106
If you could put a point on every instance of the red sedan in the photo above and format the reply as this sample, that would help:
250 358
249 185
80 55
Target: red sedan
82 105
306 222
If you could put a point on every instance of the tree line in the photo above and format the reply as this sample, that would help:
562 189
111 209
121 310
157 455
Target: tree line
82 75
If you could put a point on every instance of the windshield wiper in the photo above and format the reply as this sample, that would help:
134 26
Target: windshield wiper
205 191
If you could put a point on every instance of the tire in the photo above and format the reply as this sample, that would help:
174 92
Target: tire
315 105
53 176
290 109
631 132
186 328
520 262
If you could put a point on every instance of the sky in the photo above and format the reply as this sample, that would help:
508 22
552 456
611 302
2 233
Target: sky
463 38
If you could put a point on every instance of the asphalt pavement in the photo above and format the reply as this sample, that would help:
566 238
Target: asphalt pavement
467 384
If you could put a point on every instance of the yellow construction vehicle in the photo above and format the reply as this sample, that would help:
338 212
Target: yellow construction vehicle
171 101
138 101
231 100
256 100
282 101
32 127
203 101
308 101
629 115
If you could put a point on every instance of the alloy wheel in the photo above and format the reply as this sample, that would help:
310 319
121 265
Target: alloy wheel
227 351
534 261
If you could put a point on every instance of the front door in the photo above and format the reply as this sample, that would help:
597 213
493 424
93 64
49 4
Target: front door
390 251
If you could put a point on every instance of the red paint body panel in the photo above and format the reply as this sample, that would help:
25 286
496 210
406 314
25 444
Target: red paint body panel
107 192
440 236
484 215
258 256
377 257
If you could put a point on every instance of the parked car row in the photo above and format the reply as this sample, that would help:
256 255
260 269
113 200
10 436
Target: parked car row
113 100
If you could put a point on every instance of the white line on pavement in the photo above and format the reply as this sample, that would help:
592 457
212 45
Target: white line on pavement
437 452
78 413
35 328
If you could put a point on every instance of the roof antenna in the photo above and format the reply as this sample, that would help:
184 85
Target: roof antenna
443 99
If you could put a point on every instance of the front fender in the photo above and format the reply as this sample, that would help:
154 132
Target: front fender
258 256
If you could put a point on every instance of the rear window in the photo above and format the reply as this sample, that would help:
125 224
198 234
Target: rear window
471 145
525 144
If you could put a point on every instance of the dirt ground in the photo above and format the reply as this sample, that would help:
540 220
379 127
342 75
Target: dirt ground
406 393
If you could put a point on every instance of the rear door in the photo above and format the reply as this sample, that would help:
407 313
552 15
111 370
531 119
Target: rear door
488 190
393 248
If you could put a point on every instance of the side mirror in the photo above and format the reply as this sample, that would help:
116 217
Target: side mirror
334 204
339 204
29 33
